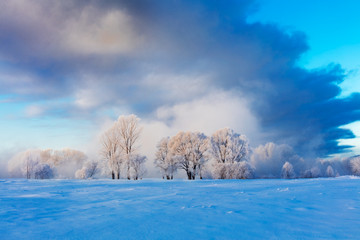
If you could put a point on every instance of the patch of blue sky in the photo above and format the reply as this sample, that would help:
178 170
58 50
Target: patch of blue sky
45 131
331 28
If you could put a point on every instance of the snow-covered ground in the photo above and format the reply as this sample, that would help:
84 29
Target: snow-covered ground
156 209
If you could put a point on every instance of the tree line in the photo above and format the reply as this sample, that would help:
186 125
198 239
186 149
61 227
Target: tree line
223 155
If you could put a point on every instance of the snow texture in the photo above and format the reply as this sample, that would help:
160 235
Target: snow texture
201 209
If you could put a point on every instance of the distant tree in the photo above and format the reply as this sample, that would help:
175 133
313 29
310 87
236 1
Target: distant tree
287 171
227 148
164 160
137 164
355 165
31 160
49 163
31 165
330 171
43 171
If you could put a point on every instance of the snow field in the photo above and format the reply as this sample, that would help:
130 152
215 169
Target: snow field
202 209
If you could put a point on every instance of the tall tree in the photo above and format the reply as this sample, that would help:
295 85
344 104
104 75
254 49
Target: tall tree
128 130
111 151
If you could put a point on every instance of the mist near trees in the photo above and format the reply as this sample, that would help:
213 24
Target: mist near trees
224 154
45 164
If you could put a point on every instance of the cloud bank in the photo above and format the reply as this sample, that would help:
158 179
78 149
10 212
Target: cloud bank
165 60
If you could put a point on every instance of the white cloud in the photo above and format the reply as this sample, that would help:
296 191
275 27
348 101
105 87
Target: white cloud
211 112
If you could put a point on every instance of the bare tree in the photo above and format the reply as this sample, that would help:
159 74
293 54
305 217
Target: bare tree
355 165
227 148
199 143
30 163
179 147
119 143
188 149
137 164
128 131
111 151
164 159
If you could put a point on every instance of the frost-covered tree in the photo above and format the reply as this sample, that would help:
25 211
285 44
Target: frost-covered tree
188 148
227 148
138 166
119 144
355 165
287 171
128 132
164 160
89 170
111 151
200 145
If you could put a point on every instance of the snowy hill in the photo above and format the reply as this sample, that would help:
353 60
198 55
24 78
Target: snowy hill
155 209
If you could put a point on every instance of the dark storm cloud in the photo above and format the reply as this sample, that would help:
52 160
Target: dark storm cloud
144 54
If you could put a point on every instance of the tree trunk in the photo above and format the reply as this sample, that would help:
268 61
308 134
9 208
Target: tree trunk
128 171
189 175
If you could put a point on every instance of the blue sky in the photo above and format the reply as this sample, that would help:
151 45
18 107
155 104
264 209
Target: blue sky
269 68
330 27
